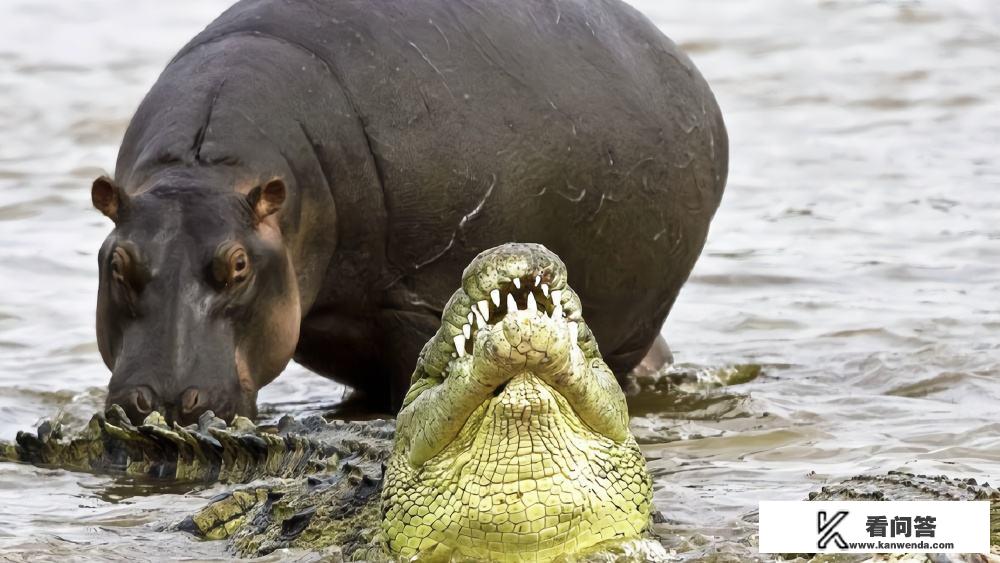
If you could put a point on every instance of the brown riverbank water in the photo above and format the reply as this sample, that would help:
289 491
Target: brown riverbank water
856 256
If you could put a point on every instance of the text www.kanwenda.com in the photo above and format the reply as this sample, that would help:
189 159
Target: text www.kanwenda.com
879 545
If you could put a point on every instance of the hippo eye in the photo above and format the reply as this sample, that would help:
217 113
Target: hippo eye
119 265
231 265
239 265
128 278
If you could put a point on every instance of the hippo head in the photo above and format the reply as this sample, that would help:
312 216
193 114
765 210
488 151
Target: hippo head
198 305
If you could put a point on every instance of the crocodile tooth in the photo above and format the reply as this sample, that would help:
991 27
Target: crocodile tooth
573 332
511 304
517 283
545 289
557 296
484 309
470 317
495 296
460 345
532 305
538 280
557 311
480 321
467 329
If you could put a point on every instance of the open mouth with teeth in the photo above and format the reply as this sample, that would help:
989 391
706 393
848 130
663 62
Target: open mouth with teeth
513 311
530 294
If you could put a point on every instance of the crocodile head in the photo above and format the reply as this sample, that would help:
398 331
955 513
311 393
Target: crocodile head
513 441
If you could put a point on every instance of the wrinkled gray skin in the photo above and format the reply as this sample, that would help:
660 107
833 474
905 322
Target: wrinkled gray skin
363 153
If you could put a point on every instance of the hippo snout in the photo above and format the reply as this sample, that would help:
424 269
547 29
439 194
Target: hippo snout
184 408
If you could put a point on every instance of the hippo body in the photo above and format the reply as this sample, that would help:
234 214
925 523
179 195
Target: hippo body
406 136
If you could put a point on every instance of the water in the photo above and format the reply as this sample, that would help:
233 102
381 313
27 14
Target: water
856 256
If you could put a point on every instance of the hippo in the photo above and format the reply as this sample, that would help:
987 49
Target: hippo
307 181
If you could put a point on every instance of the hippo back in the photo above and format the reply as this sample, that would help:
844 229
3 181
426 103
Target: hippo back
573 123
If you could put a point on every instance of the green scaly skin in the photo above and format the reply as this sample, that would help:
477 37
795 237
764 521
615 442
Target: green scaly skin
205 452
513 441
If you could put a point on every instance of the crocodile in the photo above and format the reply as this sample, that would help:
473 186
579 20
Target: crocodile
328 500
308 483
331 502
209 451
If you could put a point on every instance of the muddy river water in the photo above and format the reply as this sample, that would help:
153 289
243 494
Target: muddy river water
856 257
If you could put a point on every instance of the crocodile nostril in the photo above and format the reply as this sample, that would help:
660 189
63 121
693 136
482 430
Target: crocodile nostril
191 400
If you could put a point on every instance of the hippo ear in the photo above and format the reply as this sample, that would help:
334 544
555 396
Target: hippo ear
107 197
267 199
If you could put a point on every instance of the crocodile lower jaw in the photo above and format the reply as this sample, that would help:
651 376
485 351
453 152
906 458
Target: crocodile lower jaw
525 480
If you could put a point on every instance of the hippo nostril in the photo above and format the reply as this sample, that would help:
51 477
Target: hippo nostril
191 400
142 399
